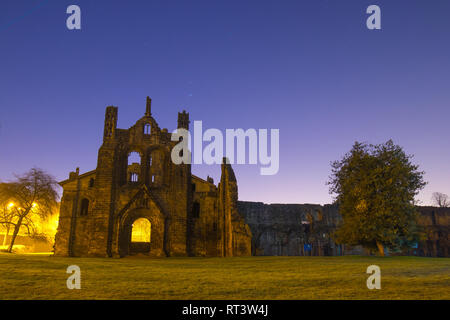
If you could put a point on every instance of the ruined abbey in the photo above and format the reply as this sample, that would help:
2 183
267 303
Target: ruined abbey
306 230
189 216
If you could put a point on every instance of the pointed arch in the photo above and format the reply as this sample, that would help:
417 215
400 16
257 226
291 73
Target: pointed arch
134 165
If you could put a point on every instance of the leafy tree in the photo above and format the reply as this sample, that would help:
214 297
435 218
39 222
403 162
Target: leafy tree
30 196
375 187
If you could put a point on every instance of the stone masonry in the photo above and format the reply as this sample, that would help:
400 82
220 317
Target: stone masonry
188 216
285 229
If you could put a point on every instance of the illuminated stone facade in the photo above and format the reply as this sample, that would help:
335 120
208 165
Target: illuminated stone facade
189 216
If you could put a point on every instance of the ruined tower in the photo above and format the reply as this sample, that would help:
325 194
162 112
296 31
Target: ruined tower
135 179
183 120
234 231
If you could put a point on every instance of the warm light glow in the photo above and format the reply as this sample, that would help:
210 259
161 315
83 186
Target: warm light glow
141 230
34 204
11 204
52 225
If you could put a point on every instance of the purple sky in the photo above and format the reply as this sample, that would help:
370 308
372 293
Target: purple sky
310 68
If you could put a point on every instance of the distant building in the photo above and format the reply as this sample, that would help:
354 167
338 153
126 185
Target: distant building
136 179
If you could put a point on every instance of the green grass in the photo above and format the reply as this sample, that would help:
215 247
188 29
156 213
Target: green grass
44 277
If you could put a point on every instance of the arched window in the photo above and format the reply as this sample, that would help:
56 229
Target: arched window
134 166
84 207
134 157
91 182
147 129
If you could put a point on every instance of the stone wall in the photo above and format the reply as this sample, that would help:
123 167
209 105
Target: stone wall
203 232
237 236
436 225
288 229
284 229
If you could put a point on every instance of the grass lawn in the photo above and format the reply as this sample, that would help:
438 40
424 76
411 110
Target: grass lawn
44 277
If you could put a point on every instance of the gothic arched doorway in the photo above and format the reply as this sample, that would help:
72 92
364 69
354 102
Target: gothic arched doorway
140 236
141 231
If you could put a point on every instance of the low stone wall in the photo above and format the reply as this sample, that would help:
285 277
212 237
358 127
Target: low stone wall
305 229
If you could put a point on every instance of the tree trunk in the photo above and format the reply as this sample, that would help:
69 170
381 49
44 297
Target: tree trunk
6 235
380 248
16 231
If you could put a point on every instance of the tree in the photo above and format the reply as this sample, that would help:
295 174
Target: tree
375 187
32 195
441 200
6 217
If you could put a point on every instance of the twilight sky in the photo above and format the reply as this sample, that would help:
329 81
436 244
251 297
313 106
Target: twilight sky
309 68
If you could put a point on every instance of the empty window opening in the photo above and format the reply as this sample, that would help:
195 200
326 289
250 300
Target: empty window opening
147 129
196 210
134 157
84 207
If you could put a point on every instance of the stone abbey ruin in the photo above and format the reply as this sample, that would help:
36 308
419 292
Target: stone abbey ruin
189 216
284 229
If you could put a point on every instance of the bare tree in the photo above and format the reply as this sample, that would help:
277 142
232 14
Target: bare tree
441 199
6 217
31 195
